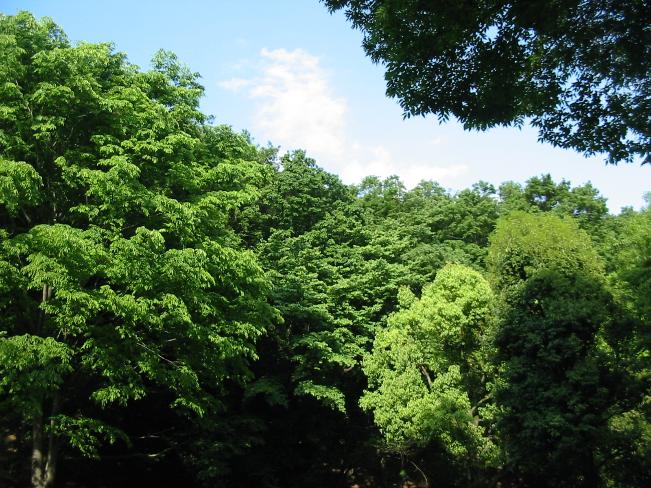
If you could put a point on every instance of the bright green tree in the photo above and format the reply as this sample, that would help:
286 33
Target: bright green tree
429 372
119 276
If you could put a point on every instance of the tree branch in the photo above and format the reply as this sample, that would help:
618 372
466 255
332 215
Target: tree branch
421 472
144 346
473 410
423 370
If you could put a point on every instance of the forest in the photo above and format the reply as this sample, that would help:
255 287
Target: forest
180 306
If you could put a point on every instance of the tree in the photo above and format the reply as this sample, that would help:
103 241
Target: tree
629 258
577 70
428 373
332 285
542 194
556 389
120 278
298 194
427 227
334 277
627 249
382 198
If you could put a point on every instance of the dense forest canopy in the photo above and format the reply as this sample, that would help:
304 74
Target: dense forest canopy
181 307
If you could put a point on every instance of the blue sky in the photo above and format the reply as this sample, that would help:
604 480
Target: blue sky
292 74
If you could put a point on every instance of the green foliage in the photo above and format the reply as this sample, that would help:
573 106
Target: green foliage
630 462
554 390
627 251
178 304
427 372
426 227
30 368
120 275
583 203
577 70
629 258
297 195
86 434
19 184
525 244
332 286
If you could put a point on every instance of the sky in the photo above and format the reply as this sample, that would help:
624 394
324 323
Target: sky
292 74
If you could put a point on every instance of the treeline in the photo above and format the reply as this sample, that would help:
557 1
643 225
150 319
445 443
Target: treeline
181 307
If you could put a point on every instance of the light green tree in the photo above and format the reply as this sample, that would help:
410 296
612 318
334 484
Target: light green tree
429 378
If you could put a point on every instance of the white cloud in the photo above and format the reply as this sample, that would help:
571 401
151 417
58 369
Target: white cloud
378 161
296 107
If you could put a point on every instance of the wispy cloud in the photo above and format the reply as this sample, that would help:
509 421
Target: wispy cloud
378 161
296 107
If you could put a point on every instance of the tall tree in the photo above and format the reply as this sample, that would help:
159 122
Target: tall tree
429 374
555 390
627 248
119 276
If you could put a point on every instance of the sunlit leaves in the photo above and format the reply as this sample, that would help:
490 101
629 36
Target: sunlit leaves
117 261
32 368
421 369
19 185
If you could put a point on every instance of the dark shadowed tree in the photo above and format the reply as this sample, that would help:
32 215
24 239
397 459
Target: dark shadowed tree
578 70
554 392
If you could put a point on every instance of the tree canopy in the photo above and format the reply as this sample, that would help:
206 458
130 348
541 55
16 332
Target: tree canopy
423 391
577 70
182 307
120 276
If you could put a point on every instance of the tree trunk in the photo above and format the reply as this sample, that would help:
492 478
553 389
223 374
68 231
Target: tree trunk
37 451
53 445
44 463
